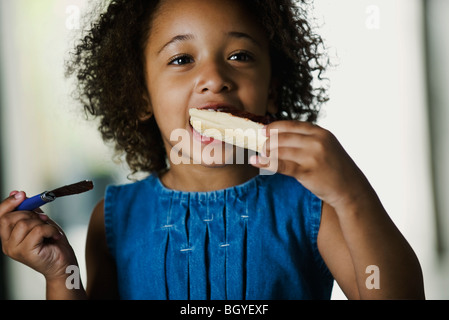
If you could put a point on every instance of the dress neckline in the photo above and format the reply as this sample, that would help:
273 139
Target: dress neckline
239 189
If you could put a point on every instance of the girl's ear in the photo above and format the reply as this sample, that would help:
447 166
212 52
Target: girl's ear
272 97
147 114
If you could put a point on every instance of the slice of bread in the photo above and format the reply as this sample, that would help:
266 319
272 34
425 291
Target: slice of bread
229 128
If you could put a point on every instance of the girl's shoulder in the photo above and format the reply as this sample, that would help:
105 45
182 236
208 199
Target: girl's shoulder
147 184
120 196
151 179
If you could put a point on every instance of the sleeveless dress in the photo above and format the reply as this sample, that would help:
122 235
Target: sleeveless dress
255 241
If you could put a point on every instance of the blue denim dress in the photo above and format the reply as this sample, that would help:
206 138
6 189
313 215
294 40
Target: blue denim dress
255 241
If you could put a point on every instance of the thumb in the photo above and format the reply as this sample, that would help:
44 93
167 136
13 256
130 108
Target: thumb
12 202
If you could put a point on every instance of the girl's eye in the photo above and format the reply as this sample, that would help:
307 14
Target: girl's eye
181 60
241 56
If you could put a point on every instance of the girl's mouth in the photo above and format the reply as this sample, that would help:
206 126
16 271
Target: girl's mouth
200 138
217 107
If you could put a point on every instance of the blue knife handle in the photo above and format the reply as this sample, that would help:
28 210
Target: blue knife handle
31 204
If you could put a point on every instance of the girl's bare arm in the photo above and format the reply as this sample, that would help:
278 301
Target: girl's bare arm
356 233
101 270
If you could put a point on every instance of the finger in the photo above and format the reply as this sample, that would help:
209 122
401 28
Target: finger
291 126
289 161
39 233
287 140
38 211
43 217
37 216
286 167
11 203
13 193
261 162
10 219
13 217
297 155
22 229
52 223
290 168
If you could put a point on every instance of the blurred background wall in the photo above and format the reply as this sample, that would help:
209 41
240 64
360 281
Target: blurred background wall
46 141
388 107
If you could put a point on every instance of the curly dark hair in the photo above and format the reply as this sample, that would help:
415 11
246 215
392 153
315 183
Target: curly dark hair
108 64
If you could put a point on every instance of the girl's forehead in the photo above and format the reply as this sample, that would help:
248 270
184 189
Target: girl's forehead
199 15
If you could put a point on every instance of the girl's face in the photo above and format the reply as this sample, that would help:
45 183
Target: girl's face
204 53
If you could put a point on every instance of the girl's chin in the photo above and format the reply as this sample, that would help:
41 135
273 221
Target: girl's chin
219 158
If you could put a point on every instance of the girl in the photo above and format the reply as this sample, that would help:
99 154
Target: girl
213 229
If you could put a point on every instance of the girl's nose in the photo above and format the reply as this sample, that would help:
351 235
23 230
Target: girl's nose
213 78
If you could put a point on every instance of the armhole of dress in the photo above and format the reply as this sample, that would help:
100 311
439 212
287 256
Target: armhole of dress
315 207
110 195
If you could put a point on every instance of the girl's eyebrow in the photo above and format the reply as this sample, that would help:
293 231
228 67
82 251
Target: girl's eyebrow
239 35
189 36
180 37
